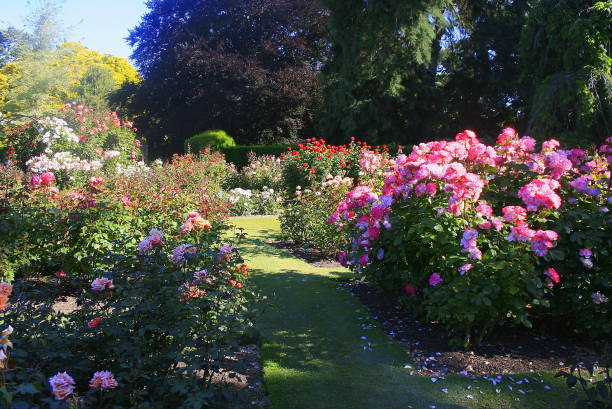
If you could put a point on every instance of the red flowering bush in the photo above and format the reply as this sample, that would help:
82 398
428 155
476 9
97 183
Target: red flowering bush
316 175
472 233
309 164
154 328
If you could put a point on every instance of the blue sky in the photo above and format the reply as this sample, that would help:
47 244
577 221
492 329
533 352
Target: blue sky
100 25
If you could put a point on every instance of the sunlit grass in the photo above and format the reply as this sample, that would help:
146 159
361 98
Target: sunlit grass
314 357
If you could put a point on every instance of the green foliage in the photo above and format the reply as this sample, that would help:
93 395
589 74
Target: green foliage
565 57
164 333
38 82
239 154
597 387
95 87
381 77
43 231
304 219
213 138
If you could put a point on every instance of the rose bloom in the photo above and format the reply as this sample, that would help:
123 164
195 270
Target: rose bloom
104 380
4 302
95 181
156 237
464 268
435 279
552 277
5 288
100 284
126 201
47 178
62 385
409 289
94 323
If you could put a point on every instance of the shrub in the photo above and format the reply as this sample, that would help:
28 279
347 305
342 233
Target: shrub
245 202
309 164
45 229
304 217
75 144
262 172
473 235
154 329
214 138
239 154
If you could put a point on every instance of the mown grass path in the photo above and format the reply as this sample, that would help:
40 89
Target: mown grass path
313 351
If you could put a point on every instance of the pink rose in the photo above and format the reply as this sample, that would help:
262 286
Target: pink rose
435 279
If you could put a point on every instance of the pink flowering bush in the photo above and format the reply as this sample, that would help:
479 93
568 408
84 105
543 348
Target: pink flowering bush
316 176
74 143
154 328
304 218
45 229
507 211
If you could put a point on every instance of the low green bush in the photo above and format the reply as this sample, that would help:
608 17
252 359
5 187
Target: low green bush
213 138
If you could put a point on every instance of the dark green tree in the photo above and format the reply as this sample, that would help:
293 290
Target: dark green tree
480 88
566 65
381 80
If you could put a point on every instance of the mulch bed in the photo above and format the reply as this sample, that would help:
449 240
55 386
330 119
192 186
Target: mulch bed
506 351
311 255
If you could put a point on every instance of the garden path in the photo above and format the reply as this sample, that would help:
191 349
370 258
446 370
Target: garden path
322 350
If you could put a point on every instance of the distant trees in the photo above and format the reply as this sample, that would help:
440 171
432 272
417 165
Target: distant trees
38 74
35 82
383 70
567 66
246 66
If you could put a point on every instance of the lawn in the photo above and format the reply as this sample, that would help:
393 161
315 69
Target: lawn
315 357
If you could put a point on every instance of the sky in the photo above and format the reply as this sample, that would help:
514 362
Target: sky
100 25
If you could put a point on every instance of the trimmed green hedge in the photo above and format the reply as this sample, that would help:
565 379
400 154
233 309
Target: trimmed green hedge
238 155
213 138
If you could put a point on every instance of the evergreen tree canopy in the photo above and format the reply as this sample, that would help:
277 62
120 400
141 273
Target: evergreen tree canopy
566 62
380 82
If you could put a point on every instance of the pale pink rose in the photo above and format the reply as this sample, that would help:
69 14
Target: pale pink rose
104 380
100 284
62 385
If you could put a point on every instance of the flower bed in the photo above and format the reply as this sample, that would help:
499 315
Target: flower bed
155 325
479 236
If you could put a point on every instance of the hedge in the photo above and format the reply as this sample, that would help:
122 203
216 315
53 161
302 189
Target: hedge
238 155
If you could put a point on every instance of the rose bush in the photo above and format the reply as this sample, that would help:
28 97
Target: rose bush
154 329
45 229
75 143
477 236
316 175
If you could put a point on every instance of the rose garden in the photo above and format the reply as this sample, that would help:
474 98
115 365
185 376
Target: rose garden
148 261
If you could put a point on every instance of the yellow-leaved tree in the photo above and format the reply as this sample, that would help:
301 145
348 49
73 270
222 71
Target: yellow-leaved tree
39 81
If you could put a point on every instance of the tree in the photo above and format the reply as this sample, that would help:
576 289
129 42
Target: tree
39 81
95 87
480 88
380 81
248 67
566 62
